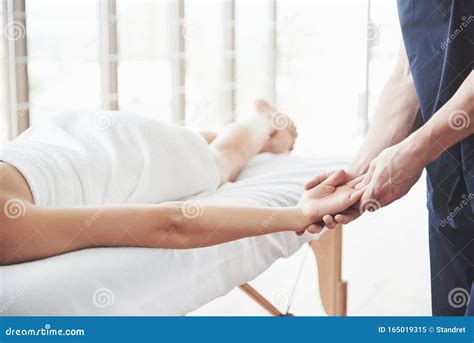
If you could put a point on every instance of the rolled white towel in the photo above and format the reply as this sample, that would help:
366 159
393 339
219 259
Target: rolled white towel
110 157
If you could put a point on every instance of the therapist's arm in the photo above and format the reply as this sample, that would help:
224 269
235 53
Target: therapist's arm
392 174
395 117
451 124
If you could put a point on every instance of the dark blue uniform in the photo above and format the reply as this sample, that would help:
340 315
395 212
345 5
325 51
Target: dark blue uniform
439 40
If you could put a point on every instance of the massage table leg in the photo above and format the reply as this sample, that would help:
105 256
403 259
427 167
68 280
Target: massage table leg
328 252
333 291
261 300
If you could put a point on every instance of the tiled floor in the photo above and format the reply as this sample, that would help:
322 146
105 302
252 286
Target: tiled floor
385 262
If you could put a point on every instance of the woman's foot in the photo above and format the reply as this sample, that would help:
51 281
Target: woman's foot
284 136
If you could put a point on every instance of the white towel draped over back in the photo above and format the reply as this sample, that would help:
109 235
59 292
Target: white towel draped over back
110 157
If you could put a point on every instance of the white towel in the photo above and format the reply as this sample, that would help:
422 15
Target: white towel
143 281
106 157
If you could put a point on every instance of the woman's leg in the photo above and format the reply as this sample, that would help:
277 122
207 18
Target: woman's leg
240 141
209 136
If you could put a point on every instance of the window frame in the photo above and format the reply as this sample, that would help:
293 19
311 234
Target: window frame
17 116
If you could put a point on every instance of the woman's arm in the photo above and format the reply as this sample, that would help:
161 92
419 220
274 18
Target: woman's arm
46 231
29 232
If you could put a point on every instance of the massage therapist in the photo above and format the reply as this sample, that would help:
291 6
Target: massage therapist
425 119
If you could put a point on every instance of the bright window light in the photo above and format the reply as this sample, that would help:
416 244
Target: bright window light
63 56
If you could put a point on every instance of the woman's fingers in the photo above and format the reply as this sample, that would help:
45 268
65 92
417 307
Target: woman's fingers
317 180
333 178
336 179
352 212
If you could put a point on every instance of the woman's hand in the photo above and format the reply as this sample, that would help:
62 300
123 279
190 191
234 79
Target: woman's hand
329 197
352 171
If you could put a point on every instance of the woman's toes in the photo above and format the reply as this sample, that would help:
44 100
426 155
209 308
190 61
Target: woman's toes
293 130
280 143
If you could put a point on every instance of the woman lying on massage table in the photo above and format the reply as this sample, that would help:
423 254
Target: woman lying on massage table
111 179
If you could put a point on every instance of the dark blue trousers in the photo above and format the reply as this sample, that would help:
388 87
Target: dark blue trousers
452 270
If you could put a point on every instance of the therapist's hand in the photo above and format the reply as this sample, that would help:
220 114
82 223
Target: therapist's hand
390 176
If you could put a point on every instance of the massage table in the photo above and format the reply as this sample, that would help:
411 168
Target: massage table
141 281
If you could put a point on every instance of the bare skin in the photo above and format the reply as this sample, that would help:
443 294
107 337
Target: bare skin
240 141
37 232
397 147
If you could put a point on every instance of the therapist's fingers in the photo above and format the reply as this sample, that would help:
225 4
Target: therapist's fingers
317 180
357 195
354 182
370 193
319 226
313 228
370 201
316 227
387 198
329 221
364 182
348 216
367 178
